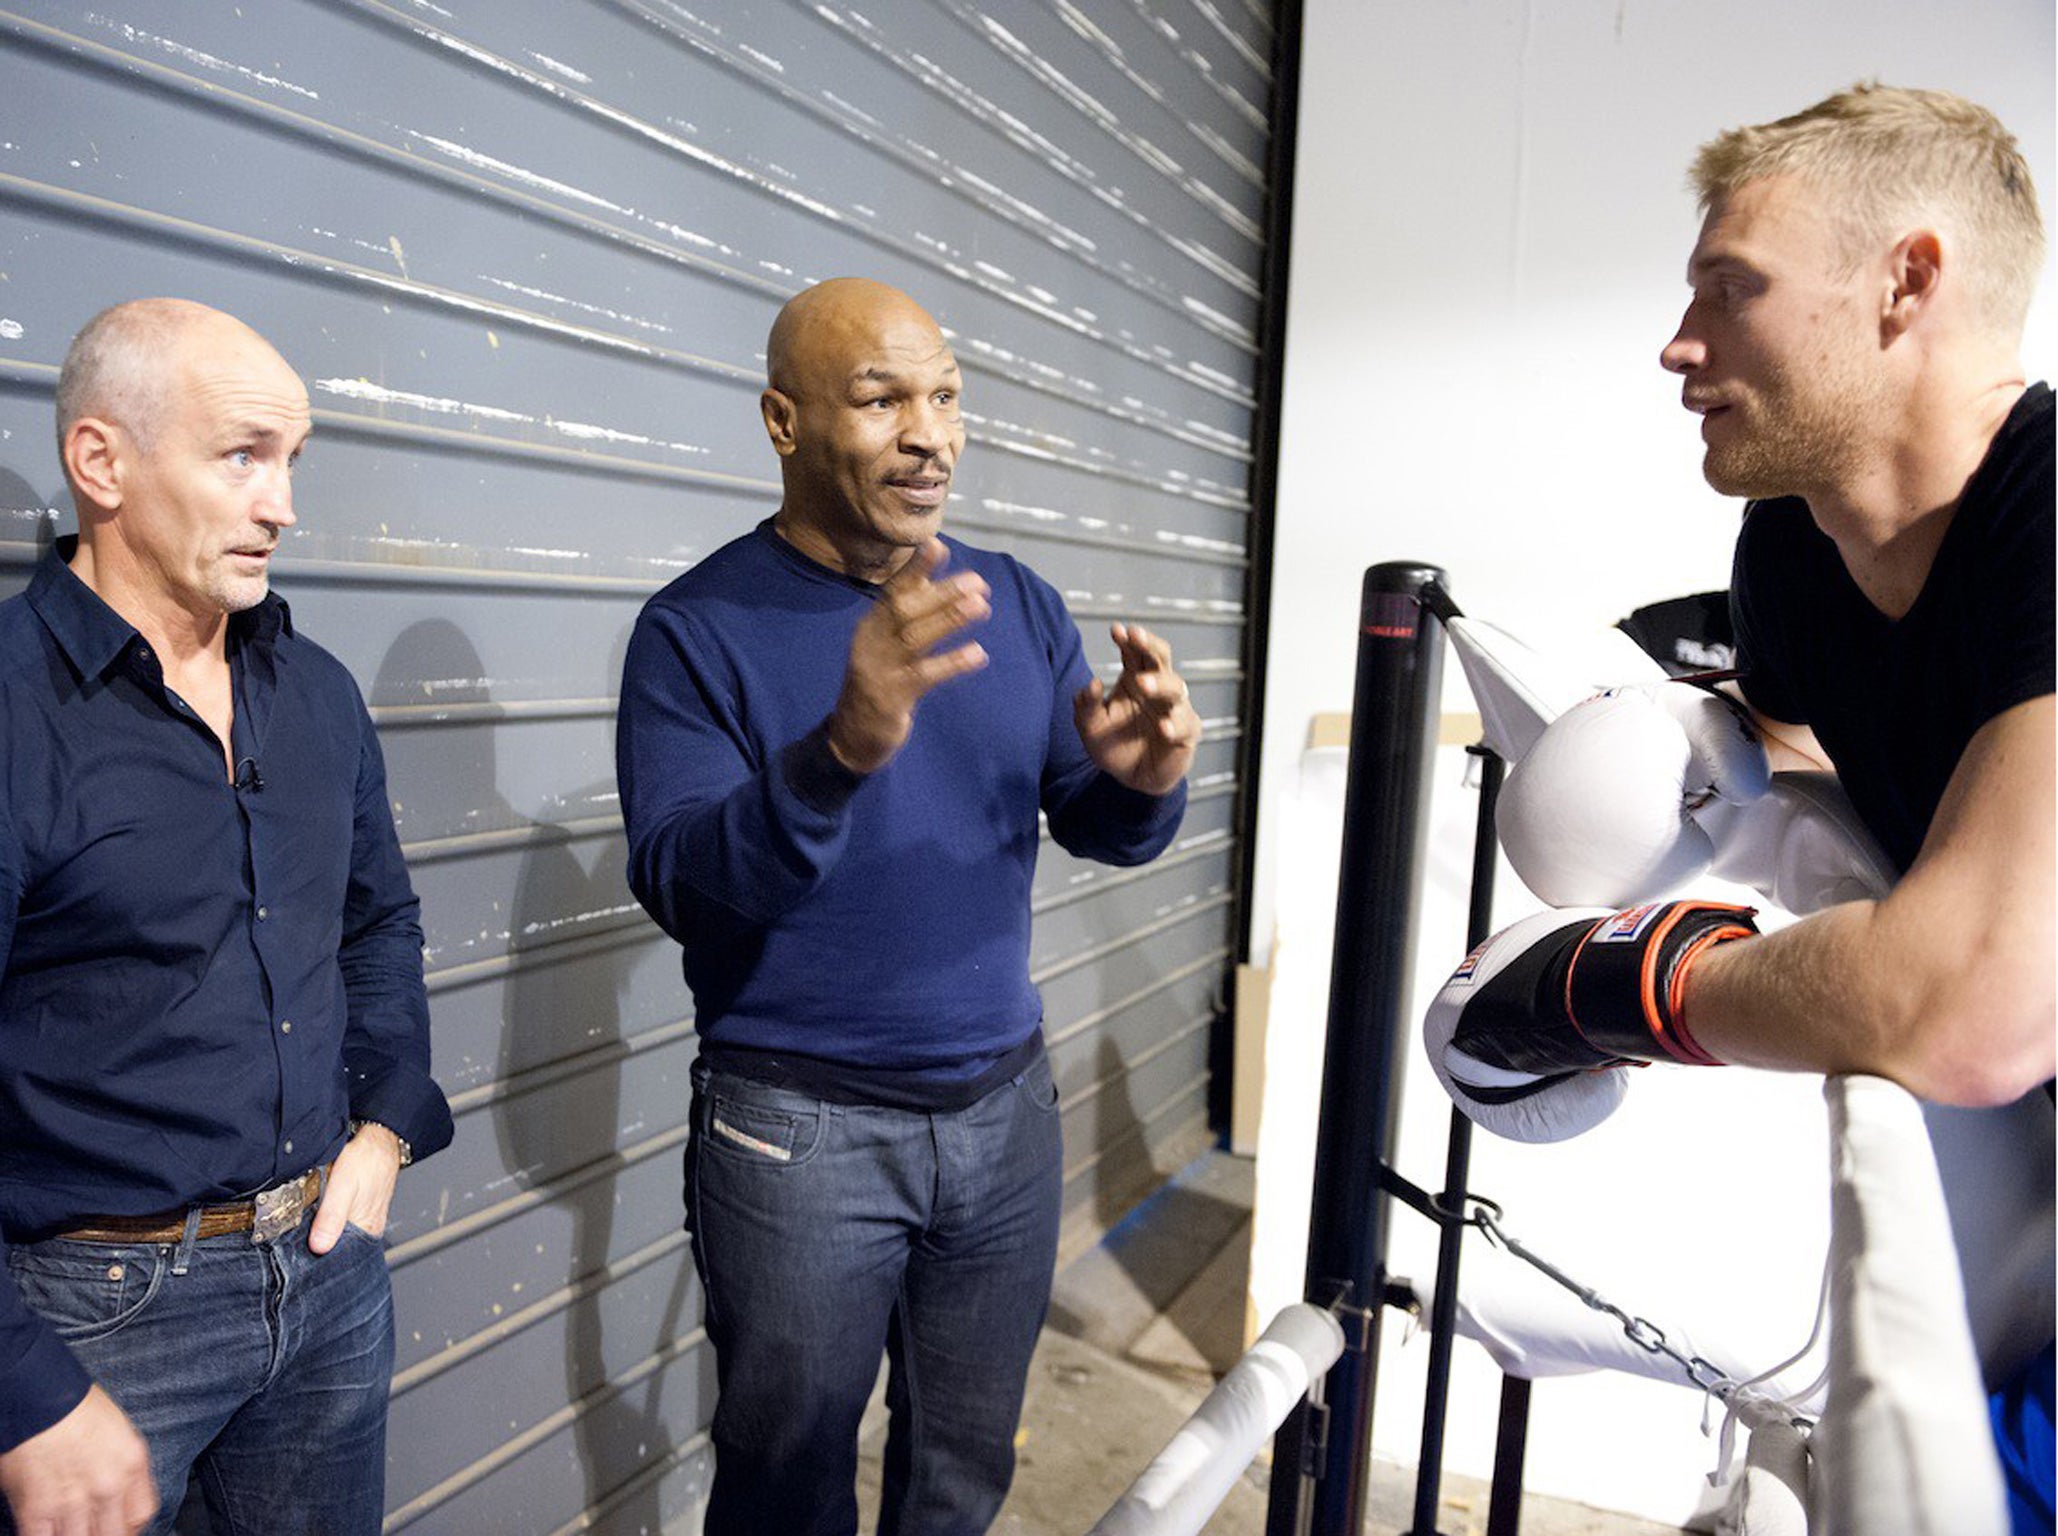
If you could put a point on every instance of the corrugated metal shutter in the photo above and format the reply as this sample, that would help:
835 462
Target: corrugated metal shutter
525 255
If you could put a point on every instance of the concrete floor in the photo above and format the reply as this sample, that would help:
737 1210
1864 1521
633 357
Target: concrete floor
1140 1327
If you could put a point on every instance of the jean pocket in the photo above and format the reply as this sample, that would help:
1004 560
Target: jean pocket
1038 1086
770 1135
86 1291
352 1230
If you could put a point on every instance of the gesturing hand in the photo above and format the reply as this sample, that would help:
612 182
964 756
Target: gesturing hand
894 660
1141 732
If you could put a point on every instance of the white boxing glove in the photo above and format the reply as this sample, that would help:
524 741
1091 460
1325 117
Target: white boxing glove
1605 809
1521 1106
1800 845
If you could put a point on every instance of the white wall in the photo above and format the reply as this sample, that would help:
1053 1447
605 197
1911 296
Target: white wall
1489 248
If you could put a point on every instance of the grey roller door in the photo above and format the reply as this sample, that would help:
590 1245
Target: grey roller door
525 255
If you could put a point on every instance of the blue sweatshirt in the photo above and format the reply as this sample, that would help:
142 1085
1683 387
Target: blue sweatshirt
880 922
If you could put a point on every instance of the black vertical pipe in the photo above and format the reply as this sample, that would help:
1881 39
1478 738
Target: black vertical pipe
1486 849
1266 429
1443 1310
1393 728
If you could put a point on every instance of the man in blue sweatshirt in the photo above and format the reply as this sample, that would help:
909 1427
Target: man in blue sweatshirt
831 789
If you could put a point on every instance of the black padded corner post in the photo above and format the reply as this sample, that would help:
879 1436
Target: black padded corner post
1393 734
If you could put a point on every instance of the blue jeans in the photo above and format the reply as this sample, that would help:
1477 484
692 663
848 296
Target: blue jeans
264 1367
828 1233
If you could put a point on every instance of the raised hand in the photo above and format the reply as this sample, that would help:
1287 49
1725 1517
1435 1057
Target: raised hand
894 660
1141 732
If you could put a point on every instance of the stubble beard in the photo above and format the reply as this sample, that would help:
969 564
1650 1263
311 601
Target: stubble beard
235 593
1793 437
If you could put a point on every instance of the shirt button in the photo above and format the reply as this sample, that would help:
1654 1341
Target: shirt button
263 913
288 1148
285 1026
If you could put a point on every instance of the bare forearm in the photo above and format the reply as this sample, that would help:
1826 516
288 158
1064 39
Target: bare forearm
1863 988
1946 985
1797 999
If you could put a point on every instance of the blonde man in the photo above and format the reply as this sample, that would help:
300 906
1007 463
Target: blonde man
1852 349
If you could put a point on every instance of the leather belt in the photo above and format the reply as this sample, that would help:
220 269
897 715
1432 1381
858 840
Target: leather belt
264 1216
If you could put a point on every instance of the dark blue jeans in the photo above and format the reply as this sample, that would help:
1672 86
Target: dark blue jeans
828 1233
264 1367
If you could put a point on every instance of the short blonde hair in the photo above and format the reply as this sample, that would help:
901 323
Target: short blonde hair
1891 158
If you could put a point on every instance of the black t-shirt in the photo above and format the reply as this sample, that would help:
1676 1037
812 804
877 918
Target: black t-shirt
1894 702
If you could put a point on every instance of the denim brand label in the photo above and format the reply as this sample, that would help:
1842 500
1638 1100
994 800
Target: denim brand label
729 1132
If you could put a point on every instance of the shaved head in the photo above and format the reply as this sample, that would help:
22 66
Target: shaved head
822 328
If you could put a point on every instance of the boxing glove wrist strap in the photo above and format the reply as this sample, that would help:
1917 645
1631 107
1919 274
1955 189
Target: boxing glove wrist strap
1626 979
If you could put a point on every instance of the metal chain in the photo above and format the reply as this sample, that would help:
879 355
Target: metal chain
1640 1331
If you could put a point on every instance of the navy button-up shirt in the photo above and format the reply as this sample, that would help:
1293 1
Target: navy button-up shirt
201 981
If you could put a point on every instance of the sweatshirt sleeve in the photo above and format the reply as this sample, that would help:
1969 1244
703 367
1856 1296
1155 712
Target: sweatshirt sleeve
710 817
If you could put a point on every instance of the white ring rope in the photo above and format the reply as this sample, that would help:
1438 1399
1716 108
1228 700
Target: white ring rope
1191 1476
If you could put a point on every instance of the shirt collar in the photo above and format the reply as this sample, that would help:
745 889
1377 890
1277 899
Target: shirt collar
92 635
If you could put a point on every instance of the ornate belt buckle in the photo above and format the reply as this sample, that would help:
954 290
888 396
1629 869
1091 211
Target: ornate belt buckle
277 1210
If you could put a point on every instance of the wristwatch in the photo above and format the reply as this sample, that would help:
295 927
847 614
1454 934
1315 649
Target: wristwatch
406 1152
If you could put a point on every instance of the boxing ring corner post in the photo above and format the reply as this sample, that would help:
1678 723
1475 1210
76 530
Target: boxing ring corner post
1322 1456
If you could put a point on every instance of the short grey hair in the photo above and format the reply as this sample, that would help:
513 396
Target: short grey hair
113 369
